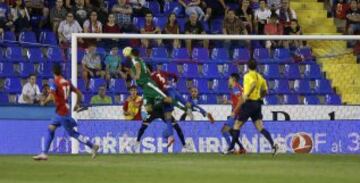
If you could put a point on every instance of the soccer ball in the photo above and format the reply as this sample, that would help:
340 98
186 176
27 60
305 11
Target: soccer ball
127 51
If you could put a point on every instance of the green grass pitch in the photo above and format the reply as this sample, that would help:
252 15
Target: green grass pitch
182 168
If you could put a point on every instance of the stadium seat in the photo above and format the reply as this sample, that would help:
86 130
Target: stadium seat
26 69
311 100
220 86
271 100
210 71
209 99
87 98
159 54
333 100
261 54
302 86
281 86
139 22
305 52
181 85
4 99
181 23
292 71
241 55
80 55
190 71
282 55
229 69
216 26
170 67
154 8
169 7
12 85
81 85
35 55
291 99
205 26
6 69
27 38
312 71
271 71
180 54
220 55
14 54
95 83
9 36
160 21
200 54
54 54
45 70
120 86
201 85
48 38
323 86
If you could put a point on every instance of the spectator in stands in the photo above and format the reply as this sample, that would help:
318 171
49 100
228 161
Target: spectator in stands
132 105
45 92
293 29
91 65
245 13
233 26
191 7
139 9
92 25
20 17
111 27
273 28
80 11
194 99
214 8
100 7
101 98
172 27
261 16
353 18
4 15
66 28
285 13
69 4
30 92
57 14
193 26
113 65
38 8
341 8
123 12
150 28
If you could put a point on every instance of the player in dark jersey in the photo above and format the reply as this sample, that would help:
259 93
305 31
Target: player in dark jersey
60 90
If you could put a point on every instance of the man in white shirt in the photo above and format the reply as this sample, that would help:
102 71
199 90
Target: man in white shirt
30 93
261 16
67 27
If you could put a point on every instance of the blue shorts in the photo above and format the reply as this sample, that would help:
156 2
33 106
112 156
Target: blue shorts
66 121
230 122
168 107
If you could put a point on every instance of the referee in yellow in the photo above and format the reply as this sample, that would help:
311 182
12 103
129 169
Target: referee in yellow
255 88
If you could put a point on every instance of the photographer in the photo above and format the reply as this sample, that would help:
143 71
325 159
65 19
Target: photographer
30 93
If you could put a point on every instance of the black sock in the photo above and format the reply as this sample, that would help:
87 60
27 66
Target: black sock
180 133
239 143
141 132
235 138
267 136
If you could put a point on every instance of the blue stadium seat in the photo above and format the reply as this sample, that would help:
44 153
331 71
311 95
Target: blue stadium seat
139 22
200 54
160 21
6 69
95 83
120 86
205 26
170 67
181 85
210 71
35 55
333 99
81 85
323 86
271 100
209 99
220 55
261 54
12 85
312 71
292 71
271 71
202 85
45 70
281 86
80 55
229 69
169 7
55 54
14 54
291 99
190 71
26 69
306 53
241 54
216 26
181 23
48 38
302 86
9 36
220 86
282 55
180 54
87 98
159 54
154 8
27 38
4 99
311 100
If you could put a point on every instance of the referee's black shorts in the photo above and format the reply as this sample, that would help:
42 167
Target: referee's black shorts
250 109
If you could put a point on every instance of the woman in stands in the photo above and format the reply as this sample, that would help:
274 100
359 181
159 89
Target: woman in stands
172 27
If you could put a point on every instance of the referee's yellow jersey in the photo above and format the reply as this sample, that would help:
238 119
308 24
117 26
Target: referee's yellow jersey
260 85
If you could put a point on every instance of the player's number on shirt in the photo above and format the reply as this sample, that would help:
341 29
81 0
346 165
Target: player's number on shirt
66 90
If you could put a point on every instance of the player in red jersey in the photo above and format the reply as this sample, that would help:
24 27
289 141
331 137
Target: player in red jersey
60 91
236 101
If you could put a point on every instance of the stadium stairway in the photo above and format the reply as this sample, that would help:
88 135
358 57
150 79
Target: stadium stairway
337 60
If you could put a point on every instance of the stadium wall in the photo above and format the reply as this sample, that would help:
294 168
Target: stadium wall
114 136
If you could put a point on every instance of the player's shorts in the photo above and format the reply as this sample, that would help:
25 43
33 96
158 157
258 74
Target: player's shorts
230 121
151 93
65 121
250 109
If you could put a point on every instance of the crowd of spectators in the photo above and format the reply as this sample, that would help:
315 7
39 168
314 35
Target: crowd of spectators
347 15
